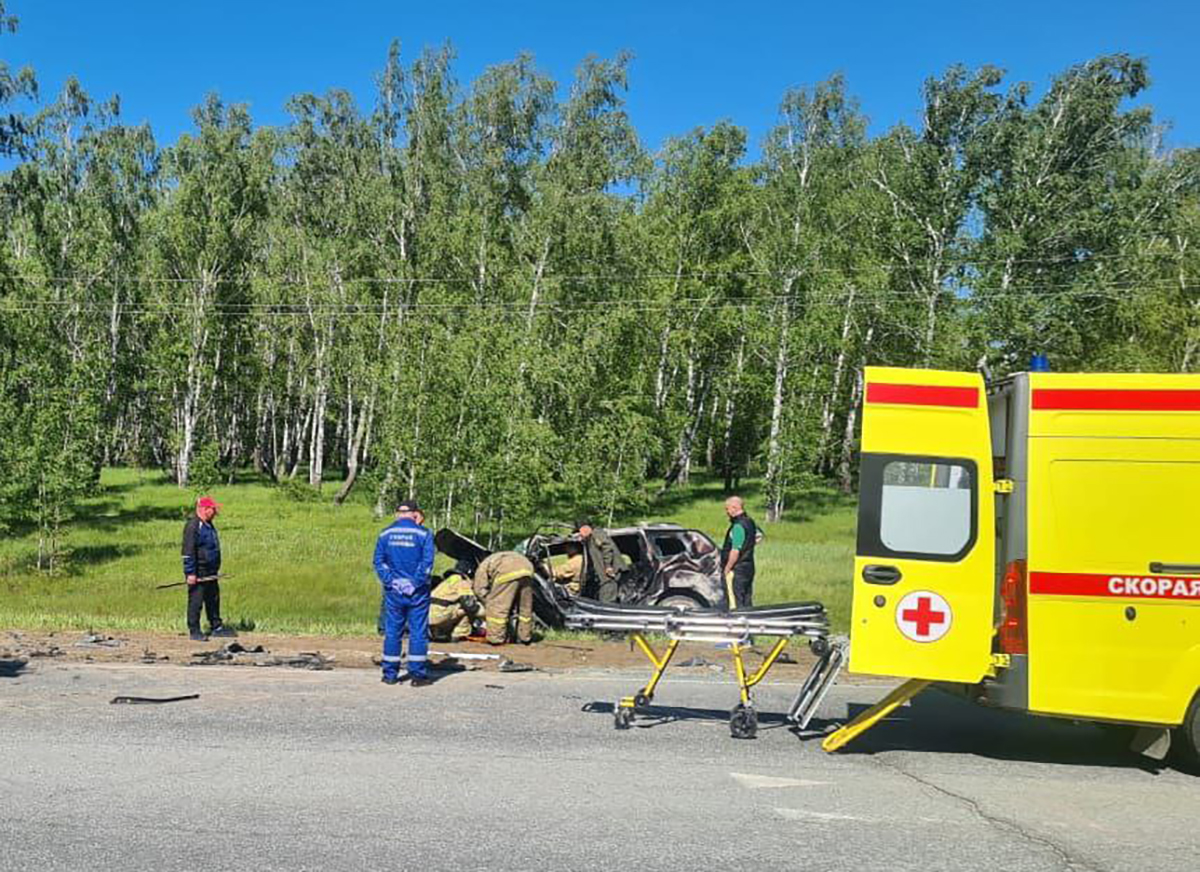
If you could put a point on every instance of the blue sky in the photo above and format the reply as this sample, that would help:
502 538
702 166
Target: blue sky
695 63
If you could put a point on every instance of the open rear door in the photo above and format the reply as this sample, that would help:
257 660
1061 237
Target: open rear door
924 572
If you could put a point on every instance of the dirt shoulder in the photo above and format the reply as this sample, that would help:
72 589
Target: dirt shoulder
362 652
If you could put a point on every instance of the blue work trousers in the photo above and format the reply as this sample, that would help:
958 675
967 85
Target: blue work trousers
409 611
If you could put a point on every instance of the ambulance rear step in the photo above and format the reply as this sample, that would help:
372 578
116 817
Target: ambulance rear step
822 677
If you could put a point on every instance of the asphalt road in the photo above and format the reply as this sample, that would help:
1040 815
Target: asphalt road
275 769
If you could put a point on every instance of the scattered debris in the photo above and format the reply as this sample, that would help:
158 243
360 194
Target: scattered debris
149 656
465 655
696 661
94 640
785 657
494 686
52 651
514 666
237 654
144 700
313 660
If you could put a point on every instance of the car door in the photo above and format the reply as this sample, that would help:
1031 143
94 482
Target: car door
923 602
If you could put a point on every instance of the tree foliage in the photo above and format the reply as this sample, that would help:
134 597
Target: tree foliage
492 295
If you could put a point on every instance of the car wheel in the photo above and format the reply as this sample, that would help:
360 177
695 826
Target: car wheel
1186 741
679 601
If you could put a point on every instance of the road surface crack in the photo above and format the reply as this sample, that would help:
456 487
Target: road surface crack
1065 857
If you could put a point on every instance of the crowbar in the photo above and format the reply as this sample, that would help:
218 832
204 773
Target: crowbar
183 583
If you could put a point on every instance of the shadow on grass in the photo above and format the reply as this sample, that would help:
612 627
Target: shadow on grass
702 489
87 557
103 518
810 505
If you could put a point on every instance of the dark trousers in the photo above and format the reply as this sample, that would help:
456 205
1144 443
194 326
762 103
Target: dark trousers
743 586
207 594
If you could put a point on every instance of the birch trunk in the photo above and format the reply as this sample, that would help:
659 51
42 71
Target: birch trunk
845 469
730 414
775 460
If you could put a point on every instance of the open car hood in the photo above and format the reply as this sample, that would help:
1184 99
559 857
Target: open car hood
458 547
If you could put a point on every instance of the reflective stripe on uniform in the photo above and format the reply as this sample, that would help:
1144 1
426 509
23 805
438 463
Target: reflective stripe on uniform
524 620
513 576
417 658
389 658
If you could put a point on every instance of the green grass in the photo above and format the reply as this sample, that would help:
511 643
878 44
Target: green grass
305 567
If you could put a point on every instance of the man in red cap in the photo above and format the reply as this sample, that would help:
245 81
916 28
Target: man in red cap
201 566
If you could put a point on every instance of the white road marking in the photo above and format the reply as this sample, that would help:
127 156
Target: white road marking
760 782
801 814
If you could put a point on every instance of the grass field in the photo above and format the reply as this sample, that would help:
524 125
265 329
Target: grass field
305 567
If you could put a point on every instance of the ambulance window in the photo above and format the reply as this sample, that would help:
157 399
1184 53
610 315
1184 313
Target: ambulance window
925 507
917 507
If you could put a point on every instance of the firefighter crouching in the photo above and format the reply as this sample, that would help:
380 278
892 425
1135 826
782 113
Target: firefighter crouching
454 607
502 579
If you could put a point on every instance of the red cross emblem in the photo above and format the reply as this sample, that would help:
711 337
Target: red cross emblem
923 616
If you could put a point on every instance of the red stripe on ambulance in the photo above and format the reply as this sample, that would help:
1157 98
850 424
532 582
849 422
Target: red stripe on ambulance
1116 401
923 395
1089 584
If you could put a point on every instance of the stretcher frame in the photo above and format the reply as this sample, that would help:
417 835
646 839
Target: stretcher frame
735 629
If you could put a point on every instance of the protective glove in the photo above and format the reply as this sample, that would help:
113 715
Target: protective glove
469 604
403 586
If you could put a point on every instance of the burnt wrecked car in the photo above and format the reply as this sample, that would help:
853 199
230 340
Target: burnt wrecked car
667 565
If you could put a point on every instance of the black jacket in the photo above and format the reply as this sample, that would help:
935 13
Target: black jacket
201 548
745 562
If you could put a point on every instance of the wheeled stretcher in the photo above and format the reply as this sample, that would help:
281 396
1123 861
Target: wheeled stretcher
735 629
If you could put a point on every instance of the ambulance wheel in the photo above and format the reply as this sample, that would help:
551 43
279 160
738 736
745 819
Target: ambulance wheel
819 647
1187 738
622 717
640 700
743 722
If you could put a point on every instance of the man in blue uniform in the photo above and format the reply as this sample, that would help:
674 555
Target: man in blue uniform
403 561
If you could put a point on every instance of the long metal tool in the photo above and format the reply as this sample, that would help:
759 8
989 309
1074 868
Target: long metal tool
184 583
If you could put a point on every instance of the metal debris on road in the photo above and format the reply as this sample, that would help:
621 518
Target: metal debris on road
150 700
514 666
466 655
94 640
237 654
52 651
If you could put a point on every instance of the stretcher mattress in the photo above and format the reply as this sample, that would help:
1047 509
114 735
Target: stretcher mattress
787 619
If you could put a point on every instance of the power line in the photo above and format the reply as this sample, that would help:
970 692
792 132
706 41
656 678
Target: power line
953 264
856 298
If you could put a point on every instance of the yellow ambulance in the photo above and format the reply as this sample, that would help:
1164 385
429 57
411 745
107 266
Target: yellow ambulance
1034 543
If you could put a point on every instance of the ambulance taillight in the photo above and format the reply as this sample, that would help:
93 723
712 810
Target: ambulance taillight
1012 633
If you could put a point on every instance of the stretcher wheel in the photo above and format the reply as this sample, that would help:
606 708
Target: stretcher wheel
819 647
640 700
622 717
743 722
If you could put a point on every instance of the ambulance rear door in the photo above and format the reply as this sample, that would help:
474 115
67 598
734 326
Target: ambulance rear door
924 585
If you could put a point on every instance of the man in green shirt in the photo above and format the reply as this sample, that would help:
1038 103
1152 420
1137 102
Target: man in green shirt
737 554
